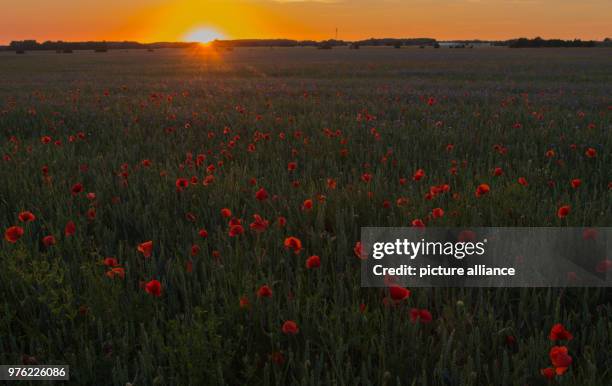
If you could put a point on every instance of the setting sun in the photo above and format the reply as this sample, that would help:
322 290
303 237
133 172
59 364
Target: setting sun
203 35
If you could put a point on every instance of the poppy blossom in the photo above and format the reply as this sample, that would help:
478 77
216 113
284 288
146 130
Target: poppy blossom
604 266
70 228
498 172
313 261
13 234
146 248
116 271
366 177
290 328
294 244
236 230
398 293
560 359
420 315
111 262
181 183
226 213
576 182
418 175
244 302
563 211
291 166
482 189
307 204
264 291
260 224
358 251
591 153
522 181
417 223
548 372
154 288
261 194
437 212
77 188
203 233
558 332
195 249
26 216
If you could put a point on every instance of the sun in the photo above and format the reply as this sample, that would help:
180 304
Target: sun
203 35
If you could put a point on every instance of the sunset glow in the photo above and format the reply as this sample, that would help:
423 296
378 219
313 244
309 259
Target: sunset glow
165 20
203 35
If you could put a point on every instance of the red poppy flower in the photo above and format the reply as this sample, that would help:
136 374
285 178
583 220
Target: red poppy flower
70 229
26 216
331 183
366 177
560 359
498 172
77 188
291 166
548 372
259 225
313 261
558 332
307 205
154 288
398 293
419 174
294 244
563 211
244 302
290 328
281 221
437 212
358 251
146 248
13 234
418 223
111 262
604 266
482 189
589 234
522 181
261 194
264 291
420 315
181 183
195 249
226 213
576 182
236 230
116 271
203 233
591 153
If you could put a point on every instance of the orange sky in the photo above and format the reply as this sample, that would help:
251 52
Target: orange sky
172 20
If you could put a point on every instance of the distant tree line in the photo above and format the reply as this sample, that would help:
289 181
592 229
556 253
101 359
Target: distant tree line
102 46
539 42
33 45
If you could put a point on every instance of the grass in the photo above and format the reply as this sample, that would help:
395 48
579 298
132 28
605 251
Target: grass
251 112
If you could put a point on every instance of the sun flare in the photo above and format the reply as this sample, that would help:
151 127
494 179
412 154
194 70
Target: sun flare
203 35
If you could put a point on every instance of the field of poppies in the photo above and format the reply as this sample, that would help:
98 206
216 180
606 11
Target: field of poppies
192 217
